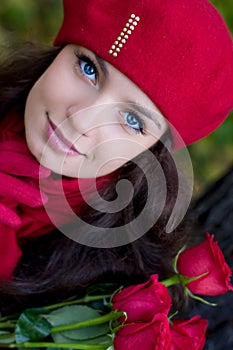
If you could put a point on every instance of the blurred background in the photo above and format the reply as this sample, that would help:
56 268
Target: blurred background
39 20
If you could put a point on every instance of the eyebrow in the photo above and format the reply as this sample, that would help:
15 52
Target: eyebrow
148 114
140 109
102 65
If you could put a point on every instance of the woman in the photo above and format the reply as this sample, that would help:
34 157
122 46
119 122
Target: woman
122 83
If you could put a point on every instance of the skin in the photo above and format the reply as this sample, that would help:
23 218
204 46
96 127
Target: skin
84 118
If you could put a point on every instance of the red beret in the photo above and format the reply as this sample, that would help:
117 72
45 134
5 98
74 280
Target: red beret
179 52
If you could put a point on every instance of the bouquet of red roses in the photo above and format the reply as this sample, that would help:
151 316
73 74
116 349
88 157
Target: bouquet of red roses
136 317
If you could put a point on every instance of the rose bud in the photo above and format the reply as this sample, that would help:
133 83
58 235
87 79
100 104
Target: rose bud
188 334
205 258
150 336
142 301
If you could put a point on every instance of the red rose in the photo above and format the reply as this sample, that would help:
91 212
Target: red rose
205 257
142 301
154 335
188 334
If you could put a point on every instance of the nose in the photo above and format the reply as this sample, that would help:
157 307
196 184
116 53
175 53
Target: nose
88 120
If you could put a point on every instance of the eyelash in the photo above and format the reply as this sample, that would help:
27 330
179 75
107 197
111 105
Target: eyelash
141 123
83 58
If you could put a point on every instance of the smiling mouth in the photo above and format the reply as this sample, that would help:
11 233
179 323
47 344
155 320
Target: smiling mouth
58 141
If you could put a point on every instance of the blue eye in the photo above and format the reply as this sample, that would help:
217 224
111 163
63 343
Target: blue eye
134 122
88 68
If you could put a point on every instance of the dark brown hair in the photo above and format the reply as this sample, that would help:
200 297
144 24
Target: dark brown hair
55 267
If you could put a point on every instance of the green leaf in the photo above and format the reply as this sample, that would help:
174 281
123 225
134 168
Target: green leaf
87 332
60 338
31 326
101 305
58 349
102 288
6 337
105 339
70 314
74 314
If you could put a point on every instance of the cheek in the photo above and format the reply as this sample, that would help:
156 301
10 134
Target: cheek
110 166
35 100
31 98
48 91
113 154
50 88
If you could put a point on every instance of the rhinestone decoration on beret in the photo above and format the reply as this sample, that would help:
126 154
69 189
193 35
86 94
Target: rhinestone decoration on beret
124 35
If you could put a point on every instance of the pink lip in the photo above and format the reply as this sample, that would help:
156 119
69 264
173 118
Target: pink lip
59 142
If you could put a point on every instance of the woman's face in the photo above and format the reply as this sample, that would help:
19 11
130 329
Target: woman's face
84 118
